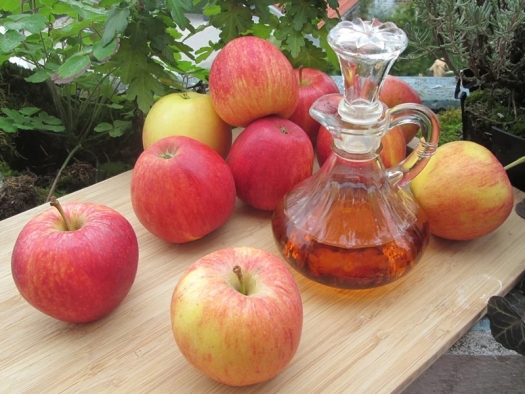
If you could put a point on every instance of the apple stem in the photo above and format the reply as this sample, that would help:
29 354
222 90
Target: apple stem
515 163
238 272
54 203
300 75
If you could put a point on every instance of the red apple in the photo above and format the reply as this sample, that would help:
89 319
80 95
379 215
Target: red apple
181 189
312 85
396 91
251 78
393 143
237 315
268 158
75 263
464 191
190 114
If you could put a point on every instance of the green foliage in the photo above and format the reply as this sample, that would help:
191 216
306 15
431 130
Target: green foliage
451 125
487 37
411 62
301 32
26 119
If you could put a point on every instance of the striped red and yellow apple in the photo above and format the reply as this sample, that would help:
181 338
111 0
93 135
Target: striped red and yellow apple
75 263
181 189
251 78
464 191
237 315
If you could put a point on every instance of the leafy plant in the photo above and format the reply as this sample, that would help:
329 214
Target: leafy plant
104 63
507 318
298 28
487 37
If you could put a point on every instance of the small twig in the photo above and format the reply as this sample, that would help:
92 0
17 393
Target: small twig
59 174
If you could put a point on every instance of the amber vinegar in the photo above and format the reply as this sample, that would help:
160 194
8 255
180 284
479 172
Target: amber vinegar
350 231
366 266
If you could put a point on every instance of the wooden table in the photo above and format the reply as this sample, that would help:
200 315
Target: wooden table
364 341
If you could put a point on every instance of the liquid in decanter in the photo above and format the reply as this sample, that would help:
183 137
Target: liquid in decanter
354 224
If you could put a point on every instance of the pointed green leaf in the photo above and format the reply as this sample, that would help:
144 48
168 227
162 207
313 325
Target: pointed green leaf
116 23
10 40
72 68
103 127
102 53
177 9
28 111
15 115
143 88
33 23
38 76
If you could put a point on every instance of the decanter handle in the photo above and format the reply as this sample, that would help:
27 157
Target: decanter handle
402 173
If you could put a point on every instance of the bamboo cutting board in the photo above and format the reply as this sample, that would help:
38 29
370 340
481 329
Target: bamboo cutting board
367 341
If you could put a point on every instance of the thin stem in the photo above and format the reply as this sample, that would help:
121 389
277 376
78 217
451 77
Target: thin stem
59 174
521 160
54 203
238 272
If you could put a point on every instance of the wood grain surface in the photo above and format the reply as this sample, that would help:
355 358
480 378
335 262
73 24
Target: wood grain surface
367 341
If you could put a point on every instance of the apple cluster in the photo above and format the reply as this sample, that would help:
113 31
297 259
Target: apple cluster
236 313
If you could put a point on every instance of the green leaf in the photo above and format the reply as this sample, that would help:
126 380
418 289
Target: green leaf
24 126
102 53
310 57
10 5
7 126
38 76
11 39
33 23
72 68
295 42
233 23
14 115
119 127
177 9
143 88
103 127
116 23
49 119
28 111
507 324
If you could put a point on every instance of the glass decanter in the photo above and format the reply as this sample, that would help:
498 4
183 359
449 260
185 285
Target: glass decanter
354 224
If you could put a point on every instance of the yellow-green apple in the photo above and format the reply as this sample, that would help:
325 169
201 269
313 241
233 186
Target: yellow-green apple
312 85
464 191
251 78
396 91
237 315
75 263
268 158
393 143
190 114
181 189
